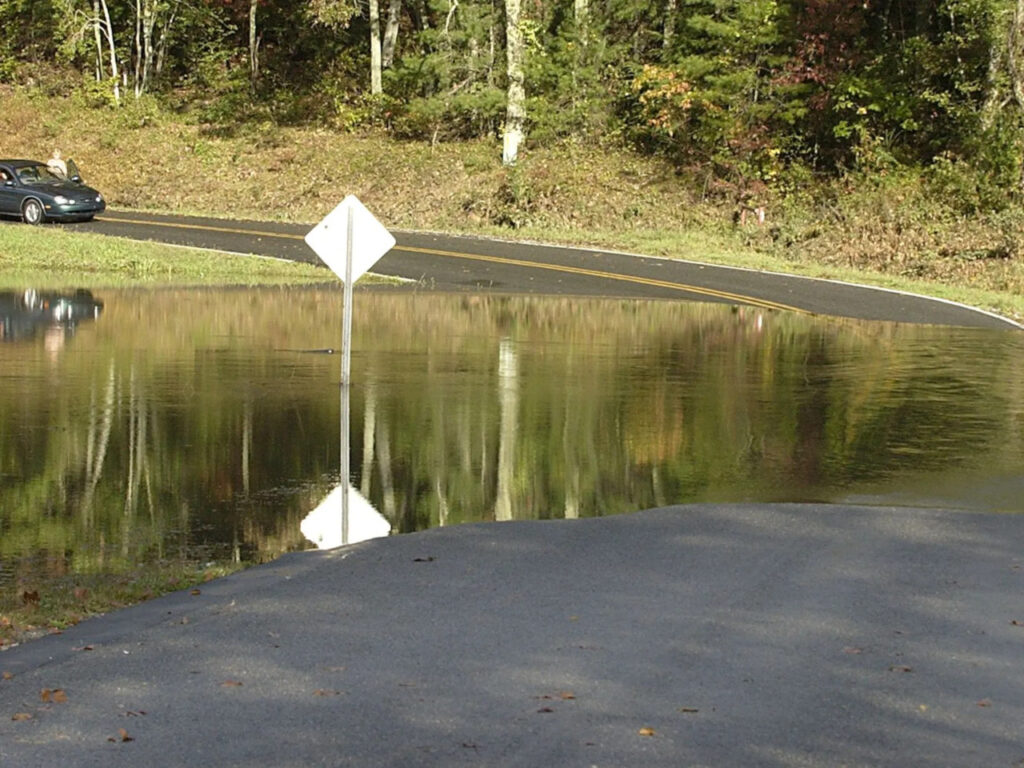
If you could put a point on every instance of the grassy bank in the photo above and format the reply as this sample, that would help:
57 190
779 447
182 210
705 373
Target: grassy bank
51 257
894 228
72 598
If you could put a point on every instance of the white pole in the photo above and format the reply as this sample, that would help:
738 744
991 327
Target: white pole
346 373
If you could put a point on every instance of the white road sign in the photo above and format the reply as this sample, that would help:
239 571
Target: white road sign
370 239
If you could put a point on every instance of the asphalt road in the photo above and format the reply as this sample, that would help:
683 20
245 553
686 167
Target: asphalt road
465 264
734 635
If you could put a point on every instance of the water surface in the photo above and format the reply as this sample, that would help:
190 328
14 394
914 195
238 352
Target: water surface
204 424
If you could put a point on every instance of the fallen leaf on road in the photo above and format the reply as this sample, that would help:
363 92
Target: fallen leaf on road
689 710
900 668
195 592
428 559
853 650
231 684
21 716
8 676
84 648
545 710
326 692
56 695
122 735
985 703
646 731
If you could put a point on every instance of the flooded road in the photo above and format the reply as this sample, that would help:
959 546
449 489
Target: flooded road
204 424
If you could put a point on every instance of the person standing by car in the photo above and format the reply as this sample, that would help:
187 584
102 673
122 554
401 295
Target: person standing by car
57 164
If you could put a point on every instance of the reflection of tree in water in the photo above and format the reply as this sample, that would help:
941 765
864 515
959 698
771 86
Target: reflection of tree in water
214 432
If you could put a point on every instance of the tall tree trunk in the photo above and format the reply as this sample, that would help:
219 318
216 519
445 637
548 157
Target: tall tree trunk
254 45
391 33
1014 51
515 112
97 34
581 12
113 52
669 30
376 86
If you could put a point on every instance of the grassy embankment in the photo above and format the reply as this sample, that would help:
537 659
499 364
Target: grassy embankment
891 230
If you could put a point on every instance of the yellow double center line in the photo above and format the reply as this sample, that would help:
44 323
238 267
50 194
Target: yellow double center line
681 287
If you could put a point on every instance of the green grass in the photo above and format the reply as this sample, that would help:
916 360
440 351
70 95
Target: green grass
65 601
51 257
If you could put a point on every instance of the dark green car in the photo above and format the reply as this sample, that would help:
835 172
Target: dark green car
35 193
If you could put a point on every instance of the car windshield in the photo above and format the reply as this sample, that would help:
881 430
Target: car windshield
37 174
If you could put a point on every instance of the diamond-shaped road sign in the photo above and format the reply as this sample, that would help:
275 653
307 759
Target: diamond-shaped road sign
370 239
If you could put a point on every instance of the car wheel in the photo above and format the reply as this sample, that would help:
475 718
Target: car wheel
32 211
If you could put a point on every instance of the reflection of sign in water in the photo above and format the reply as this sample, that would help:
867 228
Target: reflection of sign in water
24 313
323 526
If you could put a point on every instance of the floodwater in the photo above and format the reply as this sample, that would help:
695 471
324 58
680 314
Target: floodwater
203 425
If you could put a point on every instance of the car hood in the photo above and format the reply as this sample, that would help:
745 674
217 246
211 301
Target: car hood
66 188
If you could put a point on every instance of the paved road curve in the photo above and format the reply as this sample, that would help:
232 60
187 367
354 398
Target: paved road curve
761 636
447 263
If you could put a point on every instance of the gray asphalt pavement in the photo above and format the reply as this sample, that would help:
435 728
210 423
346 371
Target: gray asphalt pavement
467 264
735 635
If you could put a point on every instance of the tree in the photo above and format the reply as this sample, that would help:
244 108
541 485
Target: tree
515 111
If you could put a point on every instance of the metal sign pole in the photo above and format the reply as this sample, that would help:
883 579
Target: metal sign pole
346 374
325 240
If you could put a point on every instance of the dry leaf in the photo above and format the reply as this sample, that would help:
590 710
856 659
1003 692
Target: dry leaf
326 692
21 716
985 703
122 735
30 598
231 684
8 676
56 695
84 648
566 695
853 650
545 710
195 592
646 731
900 668
689 710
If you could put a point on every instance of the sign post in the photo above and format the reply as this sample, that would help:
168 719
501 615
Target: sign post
349 240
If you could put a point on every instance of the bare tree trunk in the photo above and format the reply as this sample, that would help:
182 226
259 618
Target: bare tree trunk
515 112
581 10
113 53
669 30
137 50
97 35
376 86
149 14
391 32
1014 52
254 46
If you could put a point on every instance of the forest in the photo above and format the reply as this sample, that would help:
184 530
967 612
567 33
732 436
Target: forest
742 93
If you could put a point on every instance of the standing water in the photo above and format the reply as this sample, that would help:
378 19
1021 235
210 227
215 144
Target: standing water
202 425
